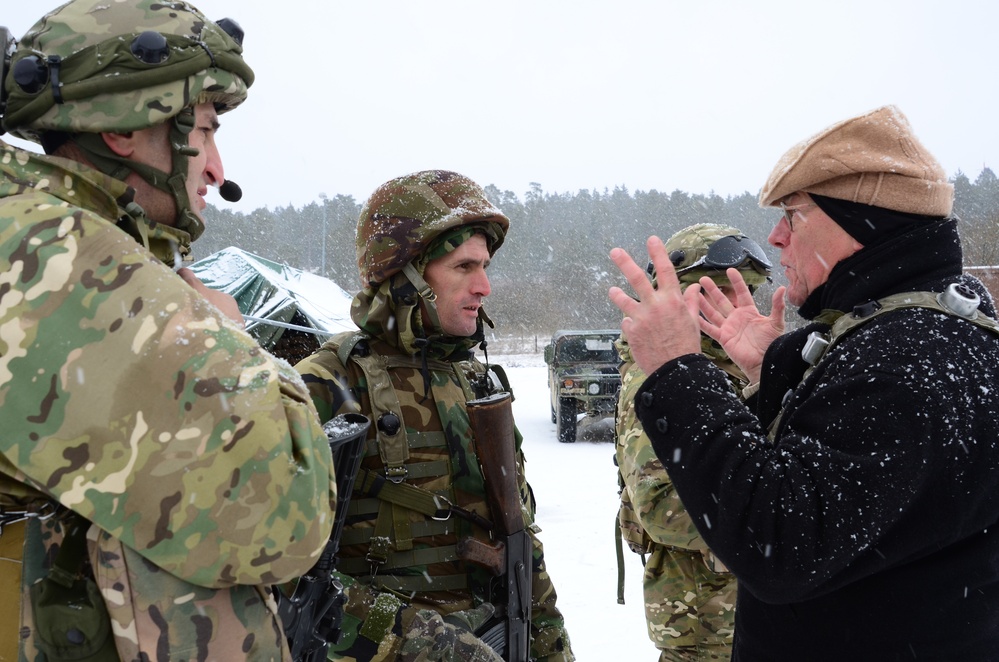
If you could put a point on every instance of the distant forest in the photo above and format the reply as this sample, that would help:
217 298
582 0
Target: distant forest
553 272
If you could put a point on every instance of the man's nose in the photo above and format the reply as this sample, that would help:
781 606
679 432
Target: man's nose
482 285
214 171
779 235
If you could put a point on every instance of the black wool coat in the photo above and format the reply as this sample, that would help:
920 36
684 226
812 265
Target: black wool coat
868 528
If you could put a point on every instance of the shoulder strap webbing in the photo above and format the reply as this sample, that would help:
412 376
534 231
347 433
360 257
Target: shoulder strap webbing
819 344
846 324
391 439
345 347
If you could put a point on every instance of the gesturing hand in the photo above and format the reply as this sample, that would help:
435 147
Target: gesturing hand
662 324
744 332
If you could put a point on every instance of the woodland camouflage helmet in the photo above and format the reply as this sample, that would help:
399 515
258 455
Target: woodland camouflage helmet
403 218
94 66
690 252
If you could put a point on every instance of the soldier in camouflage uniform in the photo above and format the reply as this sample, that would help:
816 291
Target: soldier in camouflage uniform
423 243
158 470
689 596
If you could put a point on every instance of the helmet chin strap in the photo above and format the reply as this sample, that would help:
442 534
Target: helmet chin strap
428 296
173 182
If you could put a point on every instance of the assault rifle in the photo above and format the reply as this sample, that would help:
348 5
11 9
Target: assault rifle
491 420
313 613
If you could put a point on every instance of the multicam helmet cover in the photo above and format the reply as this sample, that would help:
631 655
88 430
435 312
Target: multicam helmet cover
690 246
404 216
98 65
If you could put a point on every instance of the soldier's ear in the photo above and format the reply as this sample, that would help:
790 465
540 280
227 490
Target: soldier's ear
122 144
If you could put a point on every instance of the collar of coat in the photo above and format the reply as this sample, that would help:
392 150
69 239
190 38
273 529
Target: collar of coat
905 263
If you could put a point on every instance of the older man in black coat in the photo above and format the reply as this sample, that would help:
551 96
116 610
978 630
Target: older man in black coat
856 500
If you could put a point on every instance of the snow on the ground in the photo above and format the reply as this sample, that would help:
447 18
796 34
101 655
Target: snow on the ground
576 490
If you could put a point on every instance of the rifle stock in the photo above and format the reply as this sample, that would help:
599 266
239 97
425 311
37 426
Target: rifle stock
313 613
491 420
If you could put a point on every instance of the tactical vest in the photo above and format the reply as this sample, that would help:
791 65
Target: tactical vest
389 496
628 530
628 527
956 301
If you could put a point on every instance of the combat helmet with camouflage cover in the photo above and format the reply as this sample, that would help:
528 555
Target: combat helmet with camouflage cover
708 249
404 218
407 222
94 66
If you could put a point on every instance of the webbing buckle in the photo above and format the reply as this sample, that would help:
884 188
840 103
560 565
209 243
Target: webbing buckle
378 553
444 508
14 515
396 474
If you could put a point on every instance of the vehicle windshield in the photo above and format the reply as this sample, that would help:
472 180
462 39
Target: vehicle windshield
597 350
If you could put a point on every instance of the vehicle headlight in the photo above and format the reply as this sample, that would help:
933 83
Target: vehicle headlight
593 388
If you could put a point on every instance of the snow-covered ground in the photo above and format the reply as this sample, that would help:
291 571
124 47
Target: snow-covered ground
576 489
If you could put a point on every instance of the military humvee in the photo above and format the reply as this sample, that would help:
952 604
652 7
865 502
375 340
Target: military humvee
583 377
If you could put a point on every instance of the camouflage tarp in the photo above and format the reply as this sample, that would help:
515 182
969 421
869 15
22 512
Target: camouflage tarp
275 297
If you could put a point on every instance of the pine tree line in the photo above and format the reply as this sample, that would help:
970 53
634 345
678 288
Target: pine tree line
553 272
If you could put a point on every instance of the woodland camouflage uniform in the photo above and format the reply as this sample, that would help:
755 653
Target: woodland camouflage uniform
398 562
689 595
129 400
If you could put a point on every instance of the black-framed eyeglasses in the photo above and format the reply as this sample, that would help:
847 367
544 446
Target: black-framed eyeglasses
789 212
731 252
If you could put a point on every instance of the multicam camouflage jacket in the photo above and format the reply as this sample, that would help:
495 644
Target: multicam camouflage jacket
129 399
689 596
397 560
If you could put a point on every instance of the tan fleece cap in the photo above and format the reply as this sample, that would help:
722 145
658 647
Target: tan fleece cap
874 159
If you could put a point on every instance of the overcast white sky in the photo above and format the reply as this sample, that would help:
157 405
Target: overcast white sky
583 94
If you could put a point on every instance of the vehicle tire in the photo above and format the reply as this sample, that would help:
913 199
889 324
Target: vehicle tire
554 419
565 427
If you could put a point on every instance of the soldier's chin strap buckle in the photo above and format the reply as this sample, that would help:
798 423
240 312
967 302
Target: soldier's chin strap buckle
426 293
422 287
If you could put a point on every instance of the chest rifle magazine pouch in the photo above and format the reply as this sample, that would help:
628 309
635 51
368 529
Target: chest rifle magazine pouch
71 620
